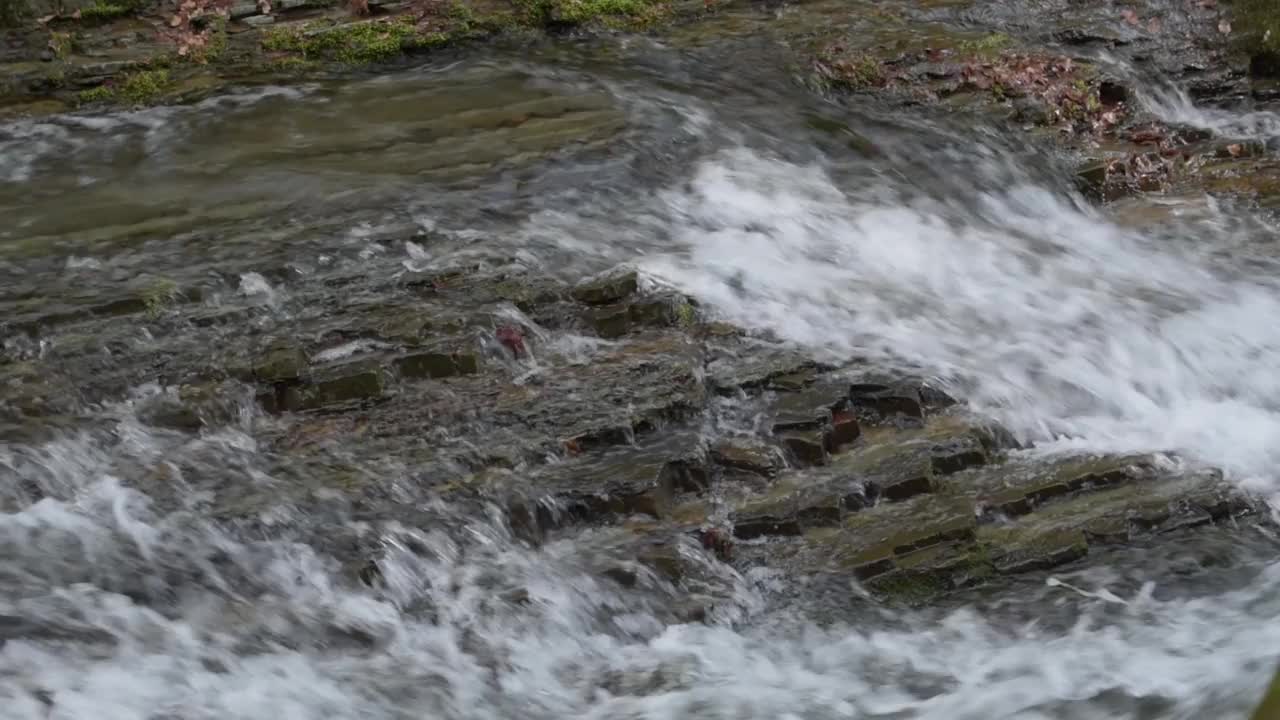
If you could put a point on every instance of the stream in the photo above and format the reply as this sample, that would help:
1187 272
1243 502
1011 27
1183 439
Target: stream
926 240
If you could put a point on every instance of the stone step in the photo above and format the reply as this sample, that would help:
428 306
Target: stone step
930 544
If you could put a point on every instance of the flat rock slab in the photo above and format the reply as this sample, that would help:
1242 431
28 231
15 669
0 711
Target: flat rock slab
915 550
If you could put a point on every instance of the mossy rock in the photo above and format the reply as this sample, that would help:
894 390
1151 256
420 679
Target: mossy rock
611 13
1258 25
611 288
102 11
282 363
610 321
356 43
438 365
355 385
145 87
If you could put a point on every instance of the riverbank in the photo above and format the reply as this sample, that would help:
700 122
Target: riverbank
74 55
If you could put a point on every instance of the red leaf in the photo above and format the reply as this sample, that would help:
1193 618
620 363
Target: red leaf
512 338
717 541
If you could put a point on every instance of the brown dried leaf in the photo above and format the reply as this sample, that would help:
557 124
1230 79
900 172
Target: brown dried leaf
1235 150
1224 26
1153 25
175 21
1130 17
76 15
45 19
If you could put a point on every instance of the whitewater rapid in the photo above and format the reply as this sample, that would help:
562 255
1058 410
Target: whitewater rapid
1078 332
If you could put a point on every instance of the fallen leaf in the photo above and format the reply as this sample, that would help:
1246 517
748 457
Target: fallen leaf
1224 27
1130 17
1153 25
1235 150
182 51
175 21
512 338
76 15
44 20
1208 4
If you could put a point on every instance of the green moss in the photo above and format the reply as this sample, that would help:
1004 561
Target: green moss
291 64
909 588
581 11
61 44
461 13
860 72
216 44
139 88
685 314
102 11
102 93
612 13
281 39
145 87
1258 21
159 295
986 45
354 43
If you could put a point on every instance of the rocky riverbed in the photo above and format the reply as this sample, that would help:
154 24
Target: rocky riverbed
884 360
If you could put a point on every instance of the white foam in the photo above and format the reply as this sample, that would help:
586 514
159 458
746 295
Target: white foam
1064 324
1172 104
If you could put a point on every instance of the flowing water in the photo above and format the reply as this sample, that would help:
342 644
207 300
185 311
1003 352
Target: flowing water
920 239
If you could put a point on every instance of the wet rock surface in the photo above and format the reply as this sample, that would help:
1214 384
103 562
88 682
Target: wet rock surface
394 395
851 472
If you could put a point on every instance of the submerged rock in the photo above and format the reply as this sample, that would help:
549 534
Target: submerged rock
437 365
611 288
757 459
973 527
283 363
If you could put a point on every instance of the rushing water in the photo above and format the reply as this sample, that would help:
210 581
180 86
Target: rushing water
917 239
